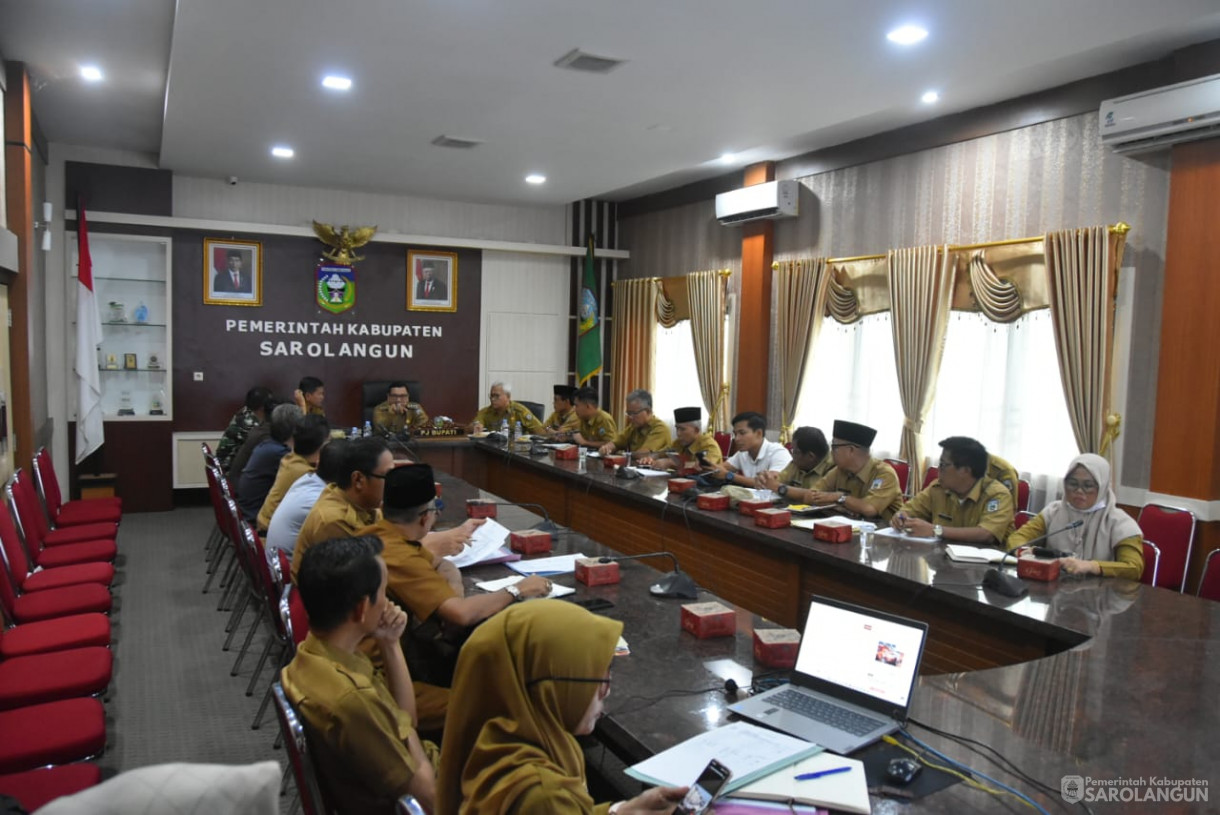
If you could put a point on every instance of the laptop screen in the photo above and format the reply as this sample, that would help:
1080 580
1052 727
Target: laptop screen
856 649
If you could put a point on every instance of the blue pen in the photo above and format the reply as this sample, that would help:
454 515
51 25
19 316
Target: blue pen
819 774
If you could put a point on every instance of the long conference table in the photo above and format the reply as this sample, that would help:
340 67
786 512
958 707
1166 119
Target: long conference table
1101 678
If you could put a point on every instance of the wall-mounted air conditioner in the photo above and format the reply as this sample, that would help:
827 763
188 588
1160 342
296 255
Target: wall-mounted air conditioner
1160 117
774 199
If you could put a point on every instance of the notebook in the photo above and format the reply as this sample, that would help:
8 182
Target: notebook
842 792
854 675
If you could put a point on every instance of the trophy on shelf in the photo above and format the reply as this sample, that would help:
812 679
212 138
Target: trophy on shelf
125 405
141 313
153 363
118 312
157 406
112 362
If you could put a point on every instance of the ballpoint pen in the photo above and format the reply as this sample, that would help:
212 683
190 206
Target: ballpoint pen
819 774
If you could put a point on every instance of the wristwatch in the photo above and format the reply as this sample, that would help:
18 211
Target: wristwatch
783 490
514 593
842 498
728 477
938 531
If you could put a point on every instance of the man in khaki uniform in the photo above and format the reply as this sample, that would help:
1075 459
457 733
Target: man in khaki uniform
398 413
310 395
858 483
563 419
963 504
308 437
811 460
596 426
1005 473
644 432
690 442
503 407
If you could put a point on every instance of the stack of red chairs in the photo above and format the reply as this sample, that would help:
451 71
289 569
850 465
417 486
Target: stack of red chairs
55 658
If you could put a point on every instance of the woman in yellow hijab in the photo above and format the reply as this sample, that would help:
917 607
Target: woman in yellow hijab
528 681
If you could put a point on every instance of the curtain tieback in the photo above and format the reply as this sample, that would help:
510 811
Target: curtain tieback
1114 423
913 425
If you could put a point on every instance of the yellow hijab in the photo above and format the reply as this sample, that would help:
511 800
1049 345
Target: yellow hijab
514 705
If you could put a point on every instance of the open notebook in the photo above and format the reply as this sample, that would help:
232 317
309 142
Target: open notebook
842 792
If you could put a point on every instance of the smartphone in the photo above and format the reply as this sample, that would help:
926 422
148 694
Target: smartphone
702 458
705 789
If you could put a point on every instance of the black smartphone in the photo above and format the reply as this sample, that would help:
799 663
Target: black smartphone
705 789
702 458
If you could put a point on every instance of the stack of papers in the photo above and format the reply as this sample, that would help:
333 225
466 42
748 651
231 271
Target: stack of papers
976 554
559 564
894 533
484 543
513 579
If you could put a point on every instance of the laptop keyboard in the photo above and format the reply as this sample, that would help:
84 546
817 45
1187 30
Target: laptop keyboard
814 708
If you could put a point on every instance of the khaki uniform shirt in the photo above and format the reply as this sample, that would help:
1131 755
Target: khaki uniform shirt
358 733
566 423
652 437
705 443
490 418
877 483
333 516
412 579
598 430
387 420
988 504
291 468
314 410
1005 473
805 479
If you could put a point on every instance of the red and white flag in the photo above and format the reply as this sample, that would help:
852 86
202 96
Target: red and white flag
89 431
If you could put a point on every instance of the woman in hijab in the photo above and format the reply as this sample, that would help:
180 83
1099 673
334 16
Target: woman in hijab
1108 541
529 680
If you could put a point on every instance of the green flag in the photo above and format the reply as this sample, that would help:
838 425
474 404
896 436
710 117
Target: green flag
589 340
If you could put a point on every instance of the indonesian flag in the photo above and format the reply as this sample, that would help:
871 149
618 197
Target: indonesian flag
89 432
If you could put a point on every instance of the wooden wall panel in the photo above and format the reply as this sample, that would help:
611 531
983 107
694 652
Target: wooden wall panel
754 304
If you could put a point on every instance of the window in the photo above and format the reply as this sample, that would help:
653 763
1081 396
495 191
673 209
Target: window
677 381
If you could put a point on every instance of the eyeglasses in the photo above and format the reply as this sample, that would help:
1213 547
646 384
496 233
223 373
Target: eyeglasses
382 476
1079 486
944 465
399 395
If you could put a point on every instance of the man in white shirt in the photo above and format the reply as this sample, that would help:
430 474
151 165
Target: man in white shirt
754 454
301 496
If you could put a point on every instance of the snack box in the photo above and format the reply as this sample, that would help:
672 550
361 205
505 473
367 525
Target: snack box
610 462
752 505
480 508
706 620
681 484
713 501
773 518
530 541
776 647
592 572
832 530
569 452
1036 568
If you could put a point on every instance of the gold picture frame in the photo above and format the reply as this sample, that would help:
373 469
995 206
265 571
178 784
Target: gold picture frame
219 259
432 281
130 362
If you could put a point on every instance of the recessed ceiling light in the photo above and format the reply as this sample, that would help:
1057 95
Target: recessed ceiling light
907 35
930 97
91 73
728 158
535 178
337 83
282 151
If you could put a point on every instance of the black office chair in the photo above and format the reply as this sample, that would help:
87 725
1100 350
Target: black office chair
535 408
373 394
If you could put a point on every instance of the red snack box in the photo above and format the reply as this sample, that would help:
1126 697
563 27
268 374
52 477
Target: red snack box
592 572
751 506
438 488
610 462
832 530
691 467
480 508
530 541
713 501
706 620
681 484
773 518
1036 568
776 647
569 452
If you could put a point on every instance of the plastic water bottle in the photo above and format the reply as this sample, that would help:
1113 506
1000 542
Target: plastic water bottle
355 433
517 429
582 458
866 534
504 429
368 428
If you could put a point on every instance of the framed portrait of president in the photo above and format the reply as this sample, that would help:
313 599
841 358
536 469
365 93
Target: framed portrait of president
232 272
432 281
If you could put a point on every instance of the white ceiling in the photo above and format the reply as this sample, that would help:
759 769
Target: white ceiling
210 85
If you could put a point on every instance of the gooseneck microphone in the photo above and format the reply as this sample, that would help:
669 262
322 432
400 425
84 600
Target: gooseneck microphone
546 525
1007 585
675 584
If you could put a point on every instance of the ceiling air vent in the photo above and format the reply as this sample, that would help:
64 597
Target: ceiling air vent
456 142
578 60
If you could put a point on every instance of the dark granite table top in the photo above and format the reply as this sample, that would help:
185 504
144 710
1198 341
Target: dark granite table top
1134 697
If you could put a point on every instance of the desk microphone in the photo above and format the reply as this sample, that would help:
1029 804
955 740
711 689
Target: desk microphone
547 525
1007 585
676 584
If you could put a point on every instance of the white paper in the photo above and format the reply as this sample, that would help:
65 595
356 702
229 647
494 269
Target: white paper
847 792
649 472
894 533
560 564
486 540
513 579
748 750
976 554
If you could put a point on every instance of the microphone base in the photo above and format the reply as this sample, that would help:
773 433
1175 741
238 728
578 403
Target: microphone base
1004 584
675 584
547 526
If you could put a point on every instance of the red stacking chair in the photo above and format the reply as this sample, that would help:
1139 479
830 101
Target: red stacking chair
55 675
72 513
35 788
1209 583
51 733
1152 561
15 560
1022 518
26 607
59 634
904 472
725 440
294 616
1173 531
931 475
299 758
63 554
1022 495
32 515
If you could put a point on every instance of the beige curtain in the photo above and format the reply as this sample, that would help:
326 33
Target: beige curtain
998 299
921 288
707 292
1083 280
801 290
636 315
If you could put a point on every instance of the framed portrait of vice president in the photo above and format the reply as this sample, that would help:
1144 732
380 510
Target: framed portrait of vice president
232 272
432 281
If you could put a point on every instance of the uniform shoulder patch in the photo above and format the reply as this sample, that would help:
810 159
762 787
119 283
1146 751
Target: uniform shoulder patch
1007 482
876 485
993 504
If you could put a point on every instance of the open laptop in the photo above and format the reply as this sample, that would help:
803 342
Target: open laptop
853 680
